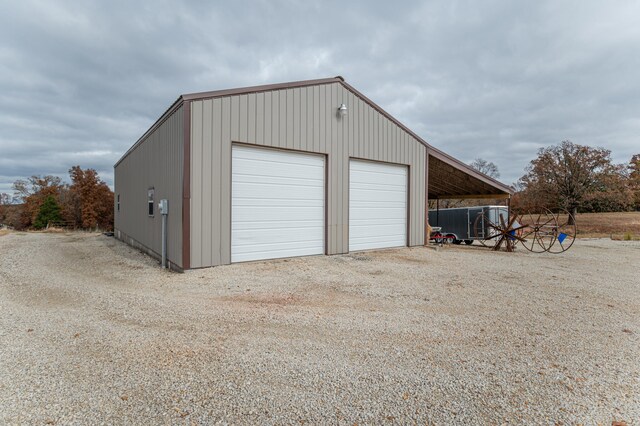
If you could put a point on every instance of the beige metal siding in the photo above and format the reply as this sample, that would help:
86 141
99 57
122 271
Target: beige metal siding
156 162
303 119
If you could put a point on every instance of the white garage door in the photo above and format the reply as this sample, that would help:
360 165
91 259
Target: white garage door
277 204
377 205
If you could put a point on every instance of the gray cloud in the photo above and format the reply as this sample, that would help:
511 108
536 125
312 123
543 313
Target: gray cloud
79 83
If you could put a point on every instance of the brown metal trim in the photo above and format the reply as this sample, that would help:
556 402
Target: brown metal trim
164 117
408 213
326 204
186 188
277 148
263 88
426 197
348 206
379 161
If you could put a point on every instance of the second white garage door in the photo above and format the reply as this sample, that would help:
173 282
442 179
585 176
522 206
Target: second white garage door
377 205
277 204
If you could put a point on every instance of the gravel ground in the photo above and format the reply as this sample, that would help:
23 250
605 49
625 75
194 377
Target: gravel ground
93 332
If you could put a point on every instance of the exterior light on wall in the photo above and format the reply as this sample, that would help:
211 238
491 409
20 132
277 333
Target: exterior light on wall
342 110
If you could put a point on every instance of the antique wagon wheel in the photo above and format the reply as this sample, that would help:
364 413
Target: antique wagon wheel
537 232
565 232
501 232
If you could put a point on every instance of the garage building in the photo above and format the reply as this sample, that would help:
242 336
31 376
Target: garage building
294 169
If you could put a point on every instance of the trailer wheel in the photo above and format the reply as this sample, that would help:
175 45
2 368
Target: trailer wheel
452 238
468 242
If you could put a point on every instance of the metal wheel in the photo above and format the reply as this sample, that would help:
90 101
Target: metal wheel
505 231
565 232
537 232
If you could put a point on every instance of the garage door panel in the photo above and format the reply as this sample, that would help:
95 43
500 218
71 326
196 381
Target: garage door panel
377 205
270 157
273 252
261 191
284 238
374 215
381 197
249 213
282 170
277 204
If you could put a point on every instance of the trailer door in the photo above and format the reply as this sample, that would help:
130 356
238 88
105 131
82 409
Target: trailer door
472 224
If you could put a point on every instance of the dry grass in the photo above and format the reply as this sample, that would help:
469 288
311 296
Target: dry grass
53 230
618 226
4 232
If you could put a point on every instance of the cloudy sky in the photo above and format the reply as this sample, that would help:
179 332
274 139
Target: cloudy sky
81 81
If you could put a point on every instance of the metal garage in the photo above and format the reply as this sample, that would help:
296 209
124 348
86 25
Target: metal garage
377 205
291 169
277 204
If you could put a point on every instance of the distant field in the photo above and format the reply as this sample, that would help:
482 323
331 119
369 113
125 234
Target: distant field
613 225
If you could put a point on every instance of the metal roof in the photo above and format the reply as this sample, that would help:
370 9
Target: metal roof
484 184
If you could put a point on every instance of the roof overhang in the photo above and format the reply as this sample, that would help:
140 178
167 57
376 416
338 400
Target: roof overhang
451 178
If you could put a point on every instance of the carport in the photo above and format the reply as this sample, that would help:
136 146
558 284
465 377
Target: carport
450 178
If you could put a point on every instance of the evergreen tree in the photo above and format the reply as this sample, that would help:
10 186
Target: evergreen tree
49 213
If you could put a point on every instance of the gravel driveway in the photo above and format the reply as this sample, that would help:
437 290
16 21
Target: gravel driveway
93 332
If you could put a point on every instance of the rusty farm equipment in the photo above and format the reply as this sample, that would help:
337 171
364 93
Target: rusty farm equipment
537 232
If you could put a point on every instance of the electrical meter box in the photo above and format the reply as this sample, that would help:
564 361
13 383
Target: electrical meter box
163 205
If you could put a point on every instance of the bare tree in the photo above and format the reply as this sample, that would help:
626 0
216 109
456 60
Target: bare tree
486 167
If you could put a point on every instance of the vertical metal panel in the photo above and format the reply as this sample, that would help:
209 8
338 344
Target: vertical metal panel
251 117
289 118
260 119
316 118
206 179
224 164
216 188
156 162
267 119
281 141
302 119
275 118
235 117
197 170
243 119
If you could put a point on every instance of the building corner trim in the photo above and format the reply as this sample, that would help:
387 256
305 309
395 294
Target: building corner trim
186 187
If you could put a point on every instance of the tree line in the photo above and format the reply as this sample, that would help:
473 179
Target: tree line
42 201
568 176
578 178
